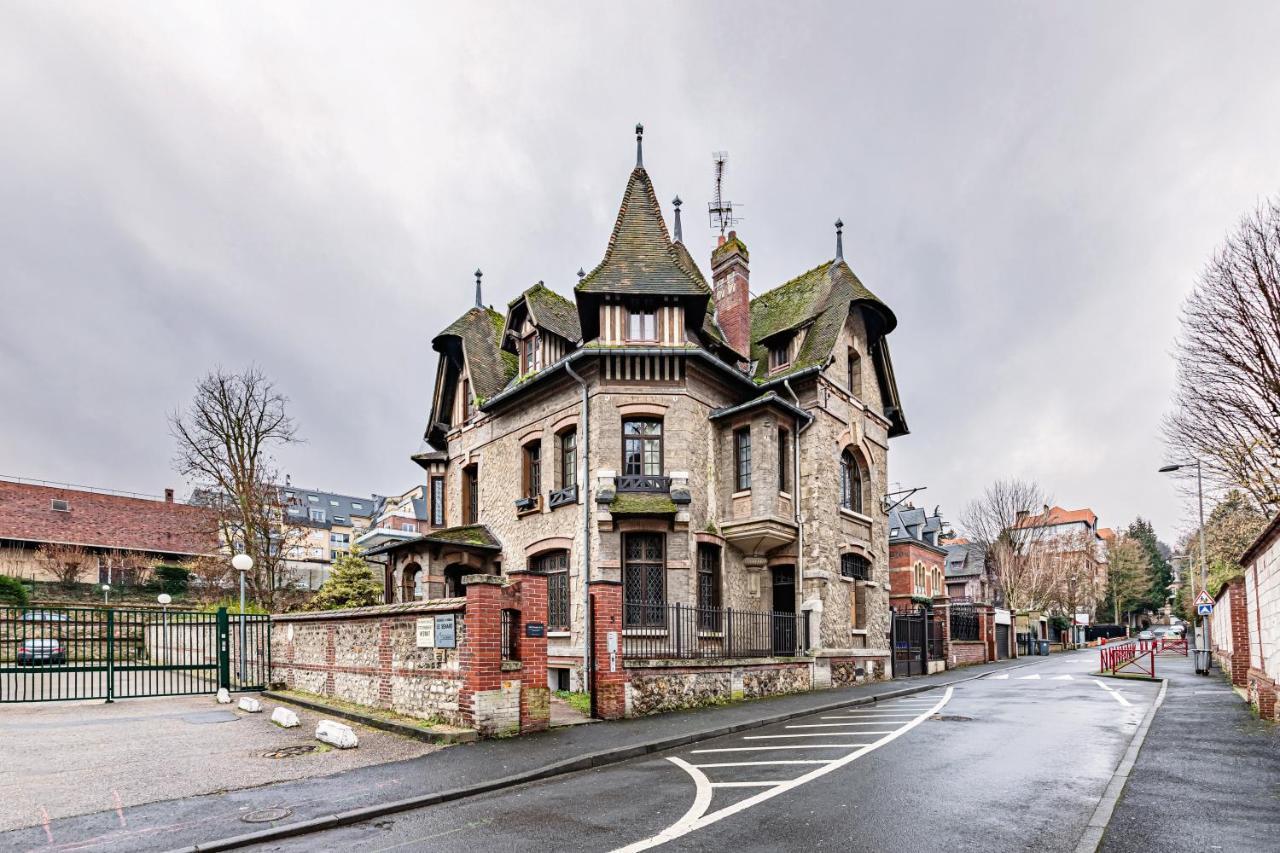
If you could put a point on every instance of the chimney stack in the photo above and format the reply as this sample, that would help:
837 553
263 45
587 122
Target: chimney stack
730 277
168 496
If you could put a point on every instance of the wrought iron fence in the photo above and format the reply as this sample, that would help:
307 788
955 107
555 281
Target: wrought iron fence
643 483
964 624
508 637
58 653
684 631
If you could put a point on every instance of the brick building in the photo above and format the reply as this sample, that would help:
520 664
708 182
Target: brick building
106 525
1247 628
665 431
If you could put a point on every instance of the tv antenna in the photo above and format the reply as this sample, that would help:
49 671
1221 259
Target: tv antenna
720 212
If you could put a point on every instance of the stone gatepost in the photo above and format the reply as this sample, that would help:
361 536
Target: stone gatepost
609 682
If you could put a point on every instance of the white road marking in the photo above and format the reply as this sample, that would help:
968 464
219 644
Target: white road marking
838 725
816 734
1035 677
1062 678
998 677
765 763
697 817
1115 694
771 748
748 784
866 716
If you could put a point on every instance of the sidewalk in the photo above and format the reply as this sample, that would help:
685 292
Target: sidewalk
492 764
1208 774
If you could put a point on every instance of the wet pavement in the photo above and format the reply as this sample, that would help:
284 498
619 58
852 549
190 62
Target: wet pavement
1016 760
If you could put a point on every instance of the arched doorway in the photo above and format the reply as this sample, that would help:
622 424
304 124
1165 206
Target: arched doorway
453 576
409 582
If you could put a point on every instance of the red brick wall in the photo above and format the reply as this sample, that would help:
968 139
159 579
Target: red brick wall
966 653
1236 661
104 521
609 690
730 273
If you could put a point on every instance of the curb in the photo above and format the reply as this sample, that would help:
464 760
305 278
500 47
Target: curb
1097 826
402 729
571 765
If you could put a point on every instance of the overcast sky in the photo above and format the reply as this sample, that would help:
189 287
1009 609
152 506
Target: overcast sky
1031 188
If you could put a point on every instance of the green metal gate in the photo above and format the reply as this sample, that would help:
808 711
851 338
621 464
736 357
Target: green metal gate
58 653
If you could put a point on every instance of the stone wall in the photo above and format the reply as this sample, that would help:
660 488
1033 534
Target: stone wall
369 656
654 688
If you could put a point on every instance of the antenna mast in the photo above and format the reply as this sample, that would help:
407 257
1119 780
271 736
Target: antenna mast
720 212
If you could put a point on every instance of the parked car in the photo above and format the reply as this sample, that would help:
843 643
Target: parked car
1146 635
35 652
43 616
1176 632
1159 633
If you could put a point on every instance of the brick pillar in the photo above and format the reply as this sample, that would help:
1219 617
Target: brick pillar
1239 628
330 659
530 593
384 663
942 610
481 653
609 691
730 279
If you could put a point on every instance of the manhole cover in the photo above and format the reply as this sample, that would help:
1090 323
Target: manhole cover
290 751
951 718
265 815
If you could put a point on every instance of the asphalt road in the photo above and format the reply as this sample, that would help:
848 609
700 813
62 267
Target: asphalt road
1012 761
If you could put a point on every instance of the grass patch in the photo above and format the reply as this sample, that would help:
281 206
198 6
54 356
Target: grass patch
580 702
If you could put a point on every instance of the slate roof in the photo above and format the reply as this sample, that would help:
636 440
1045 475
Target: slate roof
552 312
819 299
964 560
299 502
912 524
479 332
641 258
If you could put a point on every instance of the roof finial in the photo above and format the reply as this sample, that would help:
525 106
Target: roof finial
479 303
839 240
679 235
581 272
639 145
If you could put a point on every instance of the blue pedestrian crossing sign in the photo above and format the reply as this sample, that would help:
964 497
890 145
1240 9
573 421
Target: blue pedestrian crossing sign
1204 609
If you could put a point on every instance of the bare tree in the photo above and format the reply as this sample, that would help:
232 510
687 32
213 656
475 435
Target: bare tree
210 577
128 567
1227 404
67 563
225 439
1001 523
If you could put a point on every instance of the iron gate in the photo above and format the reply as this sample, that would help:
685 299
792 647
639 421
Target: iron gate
909 642
55 653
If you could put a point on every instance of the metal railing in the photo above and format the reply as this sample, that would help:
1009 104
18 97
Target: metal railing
688 632
964 624
643 483
1133 657
560 497
59 653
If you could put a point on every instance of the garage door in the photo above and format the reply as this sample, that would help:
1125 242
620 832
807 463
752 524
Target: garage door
1002 642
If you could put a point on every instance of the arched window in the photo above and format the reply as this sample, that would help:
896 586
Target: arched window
409 582
851 485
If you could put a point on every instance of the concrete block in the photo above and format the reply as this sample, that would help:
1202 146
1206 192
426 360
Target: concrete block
284 718
338 734
250 704
224 696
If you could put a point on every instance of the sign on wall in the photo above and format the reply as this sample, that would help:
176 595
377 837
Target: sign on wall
427 633
446 631
535 629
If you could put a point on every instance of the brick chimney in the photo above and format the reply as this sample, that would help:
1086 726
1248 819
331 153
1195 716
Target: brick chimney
730 276
168 496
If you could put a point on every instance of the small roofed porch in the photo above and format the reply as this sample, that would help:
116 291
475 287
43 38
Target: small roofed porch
433 565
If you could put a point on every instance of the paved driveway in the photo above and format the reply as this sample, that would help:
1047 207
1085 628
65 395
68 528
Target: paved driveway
74 758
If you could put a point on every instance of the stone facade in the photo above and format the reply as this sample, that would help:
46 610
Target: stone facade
743 491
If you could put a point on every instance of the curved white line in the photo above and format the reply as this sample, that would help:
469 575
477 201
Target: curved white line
696 817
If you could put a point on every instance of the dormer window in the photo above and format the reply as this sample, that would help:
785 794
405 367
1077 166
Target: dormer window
642 323
530 354
779 354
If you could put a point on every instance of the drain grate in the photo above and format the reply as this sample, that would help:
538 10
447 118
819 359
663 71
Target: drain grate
265 815
290 751
951 718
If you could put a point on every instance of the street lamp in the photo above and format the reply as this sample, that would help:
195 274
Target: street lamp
164 600
242 563
1203 651
106 593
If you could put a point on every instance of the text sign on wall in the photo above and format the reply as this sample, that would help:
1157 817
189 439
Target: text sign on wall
446 631
427 633
535 629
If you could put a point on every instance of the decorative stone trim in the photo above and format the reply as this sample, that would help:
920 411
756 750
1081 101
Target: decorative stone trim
551 543
631 410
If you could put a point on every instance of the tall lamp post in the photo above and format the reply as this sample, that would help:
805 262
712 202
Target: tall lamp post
242 563
1203 652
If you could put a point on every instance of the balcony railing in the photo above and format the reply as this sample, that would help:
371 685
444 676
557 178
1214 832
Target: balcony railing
687 632
560 497
643 483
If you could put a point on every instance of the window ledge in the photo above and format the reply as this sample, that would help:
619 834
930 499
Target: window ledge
744 493
856 516
786 495
858 632
552 635
511 665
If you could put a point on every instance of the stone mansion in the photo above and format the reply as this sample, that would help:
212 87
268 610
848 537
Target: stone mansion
663 429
